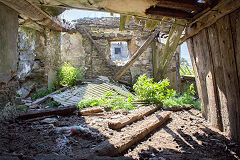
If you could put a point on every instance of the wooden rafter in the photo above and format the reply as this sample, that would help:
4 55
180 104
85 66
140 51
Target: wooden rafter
168 12
208 18
137 54
185 5
31 11
169 49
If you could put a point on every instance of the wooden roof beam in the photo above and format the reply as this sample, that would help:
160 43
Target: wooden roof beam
185 5
31 11
168 12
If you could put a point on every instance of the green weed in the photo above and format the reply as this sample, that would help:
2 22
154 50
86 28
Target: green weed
68 75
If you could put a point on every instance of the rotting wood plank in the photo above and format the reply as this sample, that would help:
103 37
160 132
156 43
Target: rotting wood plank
213 104
124 140
235 28
90 111
219 76
137 54
178 78
230 74
182 5
178 108
27 9
47 112
221 9
43 99
139 114
170 48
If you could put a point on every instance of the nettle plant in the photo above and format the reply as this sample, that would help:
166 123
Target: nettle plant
68 75
147 90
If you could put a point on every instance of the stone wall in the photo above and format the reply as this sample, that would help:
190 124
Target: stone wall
8 58
79 50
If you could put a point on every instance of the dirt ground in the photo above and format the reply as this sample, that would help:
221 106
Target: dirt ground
186 135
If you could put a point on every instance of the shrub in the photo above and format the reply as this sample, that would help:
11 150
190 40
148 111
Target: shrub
147 90
68 75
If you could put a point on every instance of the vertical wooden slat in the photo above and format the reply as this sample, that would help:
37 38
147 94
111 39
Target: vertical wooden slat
194 65
202 72
235 28
219 76
230 74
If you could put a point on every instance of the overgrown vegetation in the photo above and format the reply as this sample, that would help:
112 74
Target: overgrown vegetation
43 93
52 104
145 90
185 68
109 99
68 75
22 107
153 92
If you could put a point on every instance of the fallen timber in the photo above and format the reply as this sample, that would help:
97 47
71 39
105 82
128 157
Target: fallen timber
124 140
139 114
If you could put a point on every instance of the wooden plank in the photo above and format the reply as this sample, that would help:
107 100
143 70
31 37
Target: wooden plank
124 140
219 76
178 78
169 49
138 114
213 103
201 69
168 12
221 9
47 112
89 111
235 27
181 5
230 74
177 108
137 54
33 12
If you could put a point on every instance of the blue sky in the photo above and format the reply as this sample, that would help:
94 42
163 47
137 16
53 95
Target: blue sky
74 14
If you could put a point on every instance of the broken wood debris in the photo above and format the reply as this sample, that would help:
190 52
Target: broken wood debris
48 112
124 140
137 115
177 108
91 111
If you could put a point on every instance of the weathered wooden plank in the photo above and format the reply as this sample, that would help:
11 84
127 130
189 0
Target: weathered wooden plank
192 54
139 114
124 140
169 49
213 103
201 68
89 111
178 78
47 112
235 27
137 54
219 76
230 74
168 12
27 9
221 9
182 5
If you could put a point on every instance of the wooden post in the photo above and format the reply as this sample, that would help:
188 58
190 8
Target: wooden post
170 48
178 78
137 54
